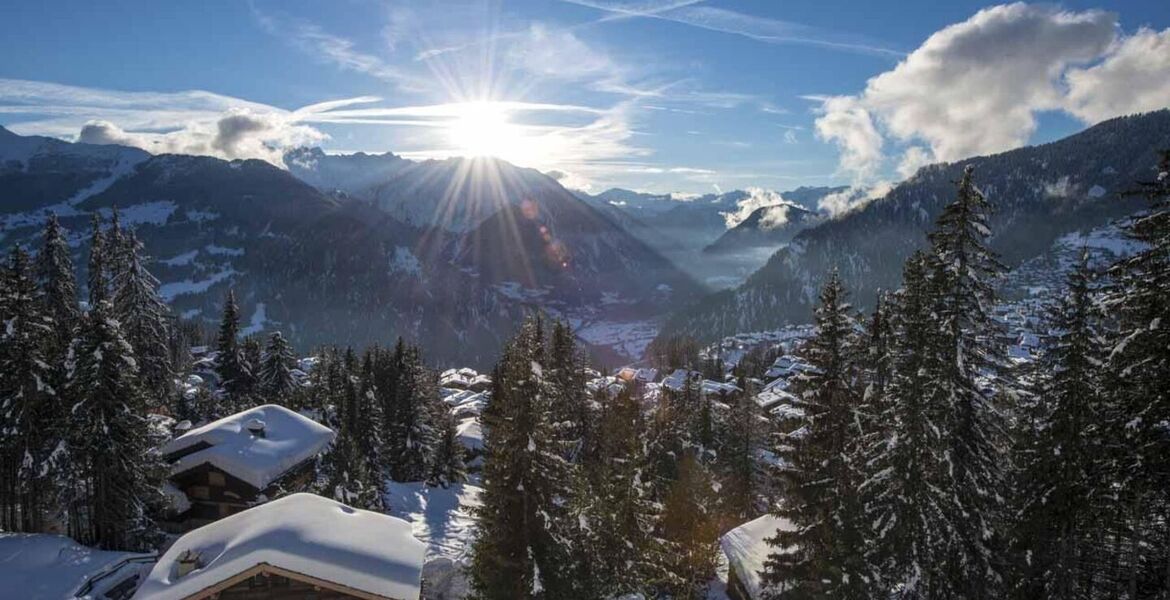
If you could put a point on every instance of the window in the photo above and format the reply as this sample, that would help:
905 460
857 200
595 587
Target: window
199 492
216 479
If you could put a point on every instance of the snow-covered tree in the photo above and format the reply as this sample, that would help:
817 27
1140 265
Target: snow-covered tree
229 364
824 556
99 281
117 473
29 403
146 323
964 270
410 434
521 547
1060 485
276 378
58 284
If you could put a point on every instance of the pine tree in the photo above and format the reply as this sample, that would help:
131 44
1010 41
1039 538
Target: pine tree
410 425
58 285
276 378
617 552
520 550
229 364
351 470
689 532
1137 370
908 506
98 281
1060 484
145 321
739 457
447 466
118 474
29 403
827 546
965 267
569 400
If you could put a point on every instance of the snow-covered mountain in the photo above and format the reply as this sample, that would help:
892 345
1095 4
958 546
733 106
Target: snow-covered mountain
1040 194
436 253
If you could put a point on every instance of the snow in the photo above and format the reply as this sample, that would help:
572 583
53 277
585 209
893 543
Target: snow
223 250
442 519
152 213
404 261
1096 191
628 338
470 433
176 499
169 291
289 439
52 567
258 321
314 536
747 550
180 260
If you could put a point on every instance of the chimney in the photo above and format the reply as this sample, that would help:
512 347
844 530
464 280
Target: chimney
188 561
256 428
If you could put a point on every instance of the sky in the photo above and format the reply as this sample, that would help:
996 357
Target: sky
689 96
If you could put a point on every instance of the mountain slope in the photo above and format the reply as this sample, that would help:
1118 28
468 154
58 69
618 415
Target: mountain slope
765 227
1040 193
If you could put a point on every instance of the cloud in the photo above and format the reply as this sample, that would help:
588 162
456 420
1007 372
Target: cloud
854 198
756 198
847 123
1133 77
976 87
762 29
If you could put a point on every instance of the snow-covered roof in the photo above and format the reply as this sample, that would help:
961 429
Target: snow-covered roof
746 549
288 440
52 567
676 380
306 534
470 433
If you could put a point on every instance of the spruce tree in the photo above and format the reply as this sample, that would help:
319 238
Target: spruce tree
351 470
520 550
58 285
739 457
908 506
1137 370
145 321
410 425
29 403
689 531
447 466
98 267
1061 485
276 378
964 270
229 363
823 556
118 472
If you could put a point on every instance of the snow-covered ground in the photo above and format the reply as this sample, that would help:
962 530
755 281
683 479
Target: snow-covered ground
54 567
627 338
442 519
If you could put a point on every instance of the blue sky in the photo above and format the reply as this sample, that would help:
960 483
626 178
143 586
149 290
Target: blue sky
660 95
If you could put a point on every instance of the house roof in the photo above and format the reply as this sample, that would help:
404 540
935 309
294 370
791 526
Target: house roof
747 549
44 567
301 534
289 439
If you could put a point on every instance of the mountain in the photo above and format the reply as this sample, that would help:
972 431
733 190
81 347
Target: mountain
641 204
766 227
331 267
353 174
1040 193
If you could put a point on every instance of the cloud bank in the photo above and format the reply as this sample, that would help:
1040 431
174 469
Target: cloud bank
976 87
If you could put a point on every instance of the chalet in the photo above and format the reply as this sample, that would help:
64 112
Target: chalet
465 379
298 547
774 394
677 380
746 549
228 465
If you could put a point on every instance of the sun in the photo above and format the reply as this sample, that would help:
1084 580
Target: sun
483 129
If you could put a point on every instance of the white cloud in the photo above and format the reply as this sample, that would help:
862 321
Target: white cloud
1134 77
757 198
976 87
852 199
846 122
